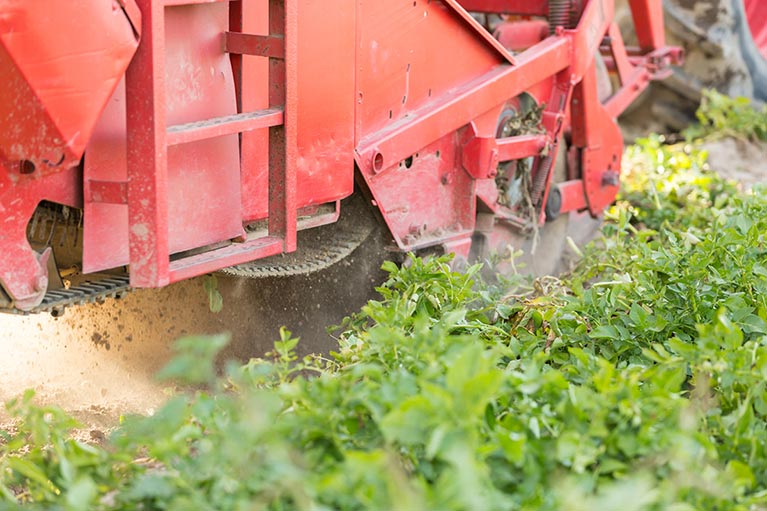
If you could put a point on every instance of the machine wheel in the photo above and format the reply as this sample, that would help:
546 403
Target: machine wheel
725 42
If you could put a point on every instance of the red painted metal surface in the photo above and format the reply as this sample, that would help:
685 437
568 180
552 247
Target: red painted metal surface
23 272
756 12
520 35
255 45
222 126
324 123
522 146
197 183
573 196
57 77
648 24
521 7
252 83
232 112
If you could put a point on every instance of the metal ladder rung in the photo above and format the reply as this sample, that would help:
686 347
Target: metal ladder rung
175 3
229 255
220 126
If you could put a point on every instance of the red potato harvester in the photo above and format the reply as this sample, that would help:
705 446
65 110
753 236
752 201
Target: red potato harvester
143 142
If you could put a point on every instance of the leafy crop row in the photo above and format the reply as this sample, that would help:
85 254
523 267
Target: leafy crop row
637 383
720 115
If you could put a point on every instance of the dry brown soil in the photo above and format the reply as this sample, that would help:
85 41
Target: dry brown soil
99 361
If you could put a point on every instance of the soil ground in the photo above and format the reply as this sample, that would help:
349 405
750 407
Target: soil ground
99 361
740 160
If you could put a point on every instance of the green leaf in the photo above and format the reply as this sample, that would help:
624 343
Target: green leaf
409 423
31 471
81 495
741 474
215 299
605 332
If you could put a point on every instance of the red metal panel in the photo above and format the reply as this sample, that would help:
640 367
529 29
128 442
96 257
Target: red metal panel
573 196
325 92
521 35
203 194
410 54
428 199
598 134
414 58
56 76
325 119
255 96
756 12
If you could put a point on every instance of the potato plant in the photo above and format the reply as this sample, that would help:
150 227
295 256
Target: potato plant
637 382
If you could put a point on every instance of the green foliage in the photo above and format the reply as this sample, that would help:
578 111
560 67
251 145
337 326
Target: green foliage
215 299
721 115
670 185
40 464
639 384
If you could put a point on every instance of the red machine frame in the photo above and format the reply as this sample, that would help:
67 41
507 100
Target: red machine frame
309 98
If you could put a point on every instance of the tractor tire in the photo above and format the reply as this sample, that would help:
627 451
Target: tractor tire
721 51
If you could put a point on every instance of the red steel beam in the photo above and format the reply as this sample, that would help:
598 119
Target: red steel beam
221 126
148 153
283 140
523 146
648 23
257 45
521 7
173 3
449 113
236 253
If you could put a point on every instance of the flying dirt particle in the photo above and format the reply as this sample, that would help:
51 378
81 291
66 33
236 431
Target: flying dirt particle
100 340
